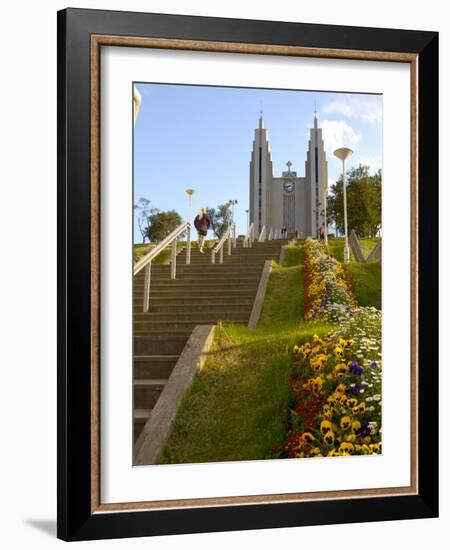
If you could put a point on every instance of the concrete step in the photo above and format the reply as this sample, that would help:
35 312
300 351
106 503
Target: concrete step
154 366
142 414
184 332
204 317
226 259
140 417
160 345
179 293
177 327
169 300
191 284
205 275
147 392
186 310
192 304
237 263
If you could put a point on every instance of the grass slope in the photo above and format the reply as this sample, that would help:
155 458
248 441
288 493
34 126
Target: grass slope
364 277
234 408
336 248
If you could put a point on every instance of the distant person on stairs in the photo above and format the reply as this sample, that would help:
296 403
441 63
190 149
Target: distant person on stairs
202 223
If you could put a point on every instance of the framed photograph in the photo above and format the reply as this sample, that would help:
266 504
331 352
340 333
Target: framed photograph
247 286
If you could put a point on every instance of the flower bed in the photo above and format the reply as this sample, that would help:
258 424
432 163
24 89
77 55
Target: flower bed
336 385
336 391
327 294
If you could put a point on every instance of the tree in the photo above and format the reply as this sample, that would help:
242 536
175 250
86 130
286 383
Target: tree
363 202
220 218
142 211
160 224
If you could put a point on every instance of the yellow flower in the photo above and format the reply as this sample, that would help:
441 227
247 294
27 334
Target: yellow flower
316 384
352 402
340 369
359 408
346 422
318 362
325 426
338 352
346 448
331 399
350 438
308 437
340 388
316 451
329 438
333 452
356 425
375 448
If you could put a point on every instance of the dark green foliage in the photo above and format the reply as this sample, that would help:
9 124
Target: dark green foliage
363 202
160 224
220 218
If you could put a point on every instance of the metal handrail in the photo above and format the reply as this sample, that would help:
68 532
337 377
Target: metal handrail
250 237
262 235
146 261
229 235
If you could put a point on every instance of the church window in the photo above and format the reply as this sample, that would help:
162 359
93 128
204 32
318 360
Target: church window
260 164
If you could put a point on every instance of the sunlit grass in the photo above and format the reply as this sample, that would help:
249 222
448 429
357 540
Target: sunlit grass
235 407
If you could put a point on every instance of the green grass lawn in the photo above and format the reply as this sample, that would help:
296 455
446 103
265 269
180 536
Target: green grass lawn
366 277
336 248
367 283
235 406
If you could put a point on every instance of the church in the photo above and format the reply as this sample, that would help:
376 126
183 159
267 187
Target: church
295 202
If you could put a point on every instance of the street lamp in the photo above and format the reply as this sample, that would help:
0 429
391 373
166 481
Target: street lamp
232 203
342 154
190 192
325 221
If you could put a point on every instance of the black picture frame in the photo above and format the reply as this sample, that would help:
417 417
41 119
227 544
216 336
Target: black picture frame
76 520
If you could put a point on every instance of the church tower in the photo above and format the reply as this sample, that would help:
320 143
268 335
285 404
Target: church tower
316 173
289 201
261 174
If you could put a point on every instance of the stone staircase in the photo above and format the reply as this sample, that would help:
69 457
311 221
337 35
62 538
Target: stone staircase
202 294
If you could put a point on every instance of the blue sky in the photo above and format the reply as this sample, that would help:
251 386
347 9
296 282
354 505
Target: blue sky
201 137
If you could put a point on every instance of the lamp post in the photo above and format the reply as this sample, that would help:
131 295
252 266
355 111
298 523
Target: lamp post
247 211
325 221
232 203
342 154
190 192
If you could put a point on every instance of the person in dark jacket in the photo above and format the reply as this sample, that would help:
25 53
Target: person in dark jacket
202 223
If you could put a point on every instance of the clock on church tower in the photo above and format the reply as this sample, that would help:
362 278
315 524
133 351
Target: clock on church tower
289 186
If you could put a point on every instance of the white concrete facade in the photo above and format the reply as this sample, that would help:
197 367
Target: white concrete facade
290 201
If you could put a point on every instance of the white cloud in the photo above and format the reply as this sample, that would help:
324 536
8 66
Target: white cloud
374 163
337 133
367 109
